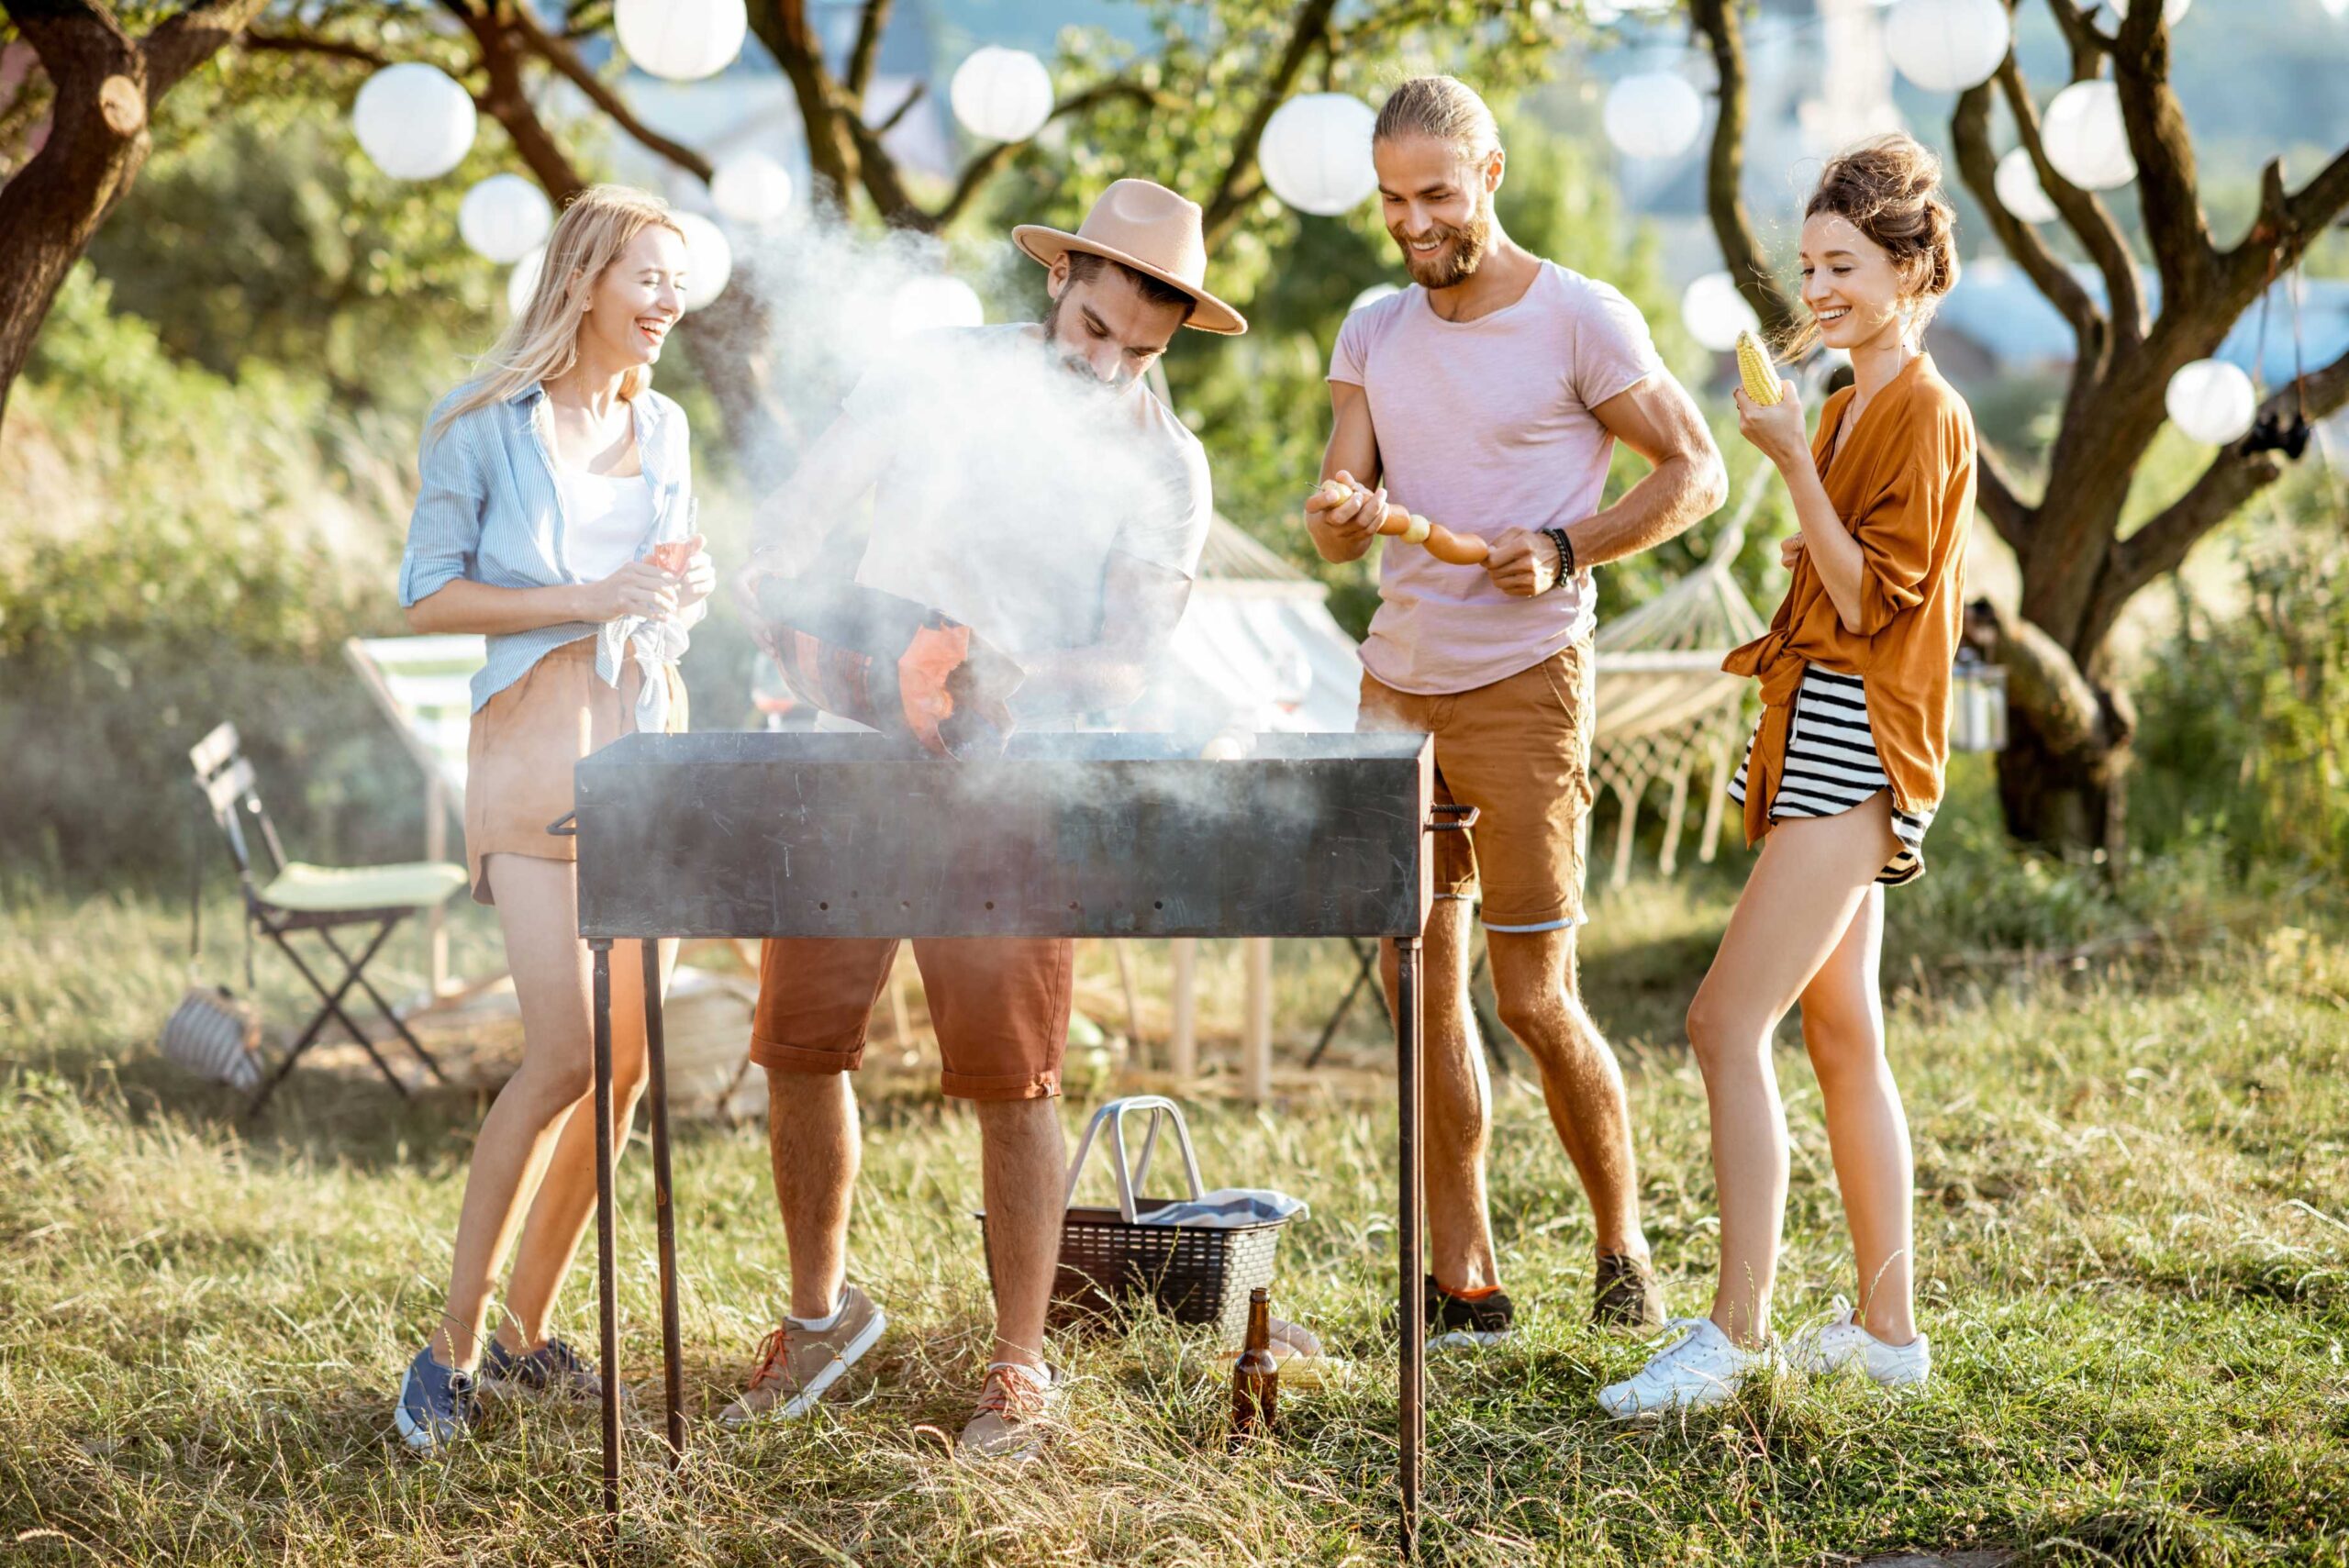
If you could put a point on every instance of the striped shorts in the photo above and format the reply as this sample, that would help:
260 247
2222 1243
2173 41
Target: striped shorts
1832 766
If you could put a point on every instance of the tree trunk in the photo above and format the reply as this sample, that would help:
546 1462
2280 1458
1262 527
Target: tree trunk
97 140
2064 777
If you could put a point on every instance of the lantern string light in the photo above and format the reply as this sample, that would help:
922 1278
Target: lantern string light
1654 114
1948 46
1001 95
681 40
1315 152
413 121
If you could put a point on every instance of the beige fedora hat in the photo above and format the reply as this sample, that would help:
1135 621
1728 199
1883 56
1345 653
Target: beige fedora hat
1146 227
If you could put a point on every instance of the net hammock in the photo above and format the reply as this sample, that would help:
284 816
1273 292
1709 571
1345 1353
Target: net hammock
1667 712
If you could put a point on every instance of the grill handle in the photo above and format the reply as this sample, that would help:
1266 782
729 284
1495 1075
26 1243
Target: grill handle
565 825
1462 818
1130 1175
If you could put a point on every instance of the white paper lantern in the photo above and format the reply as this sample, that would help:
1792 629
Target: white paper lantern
2211 401
2086 138
750 188
523 280
2335 9
1316 152
681 40
1947 46
1654 115
413 121
2020 191
505 217
1715 312
1001 95
709 260
1371 296
928 302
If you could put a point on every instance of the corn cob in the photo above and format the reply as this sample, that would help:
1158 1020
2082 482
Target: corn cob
1754 368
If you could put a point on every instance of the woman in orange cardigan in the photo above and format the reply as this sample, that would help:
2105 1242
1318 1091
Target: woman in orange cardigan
1839 784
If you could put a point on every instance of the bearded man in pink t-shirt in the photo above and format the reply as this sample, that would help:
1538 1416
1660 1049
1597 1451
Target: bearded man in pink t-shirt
1489 397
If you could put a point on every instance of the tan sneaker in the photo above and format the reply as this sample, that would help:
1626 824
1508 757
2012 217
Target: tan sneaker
797 1363
1015 1418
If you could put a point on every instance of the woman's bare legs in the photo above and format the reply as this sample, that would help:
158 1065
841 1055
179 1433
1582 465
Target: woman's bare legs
1812 878
1843 1025
530 1144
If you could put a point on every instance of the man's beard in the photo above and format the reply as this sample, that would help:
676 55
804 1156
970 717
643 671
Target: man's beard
1470 241
1075 364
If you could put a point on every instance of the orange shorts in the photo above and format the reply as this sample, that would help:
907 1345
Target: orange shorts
1518 750
1000 1007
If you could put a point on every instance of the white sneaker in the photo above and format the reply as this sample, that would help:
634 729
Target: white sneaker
1838 1343
1702 1367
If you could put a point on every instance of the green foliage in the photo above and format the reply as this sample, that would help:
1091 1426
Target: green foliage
2246 734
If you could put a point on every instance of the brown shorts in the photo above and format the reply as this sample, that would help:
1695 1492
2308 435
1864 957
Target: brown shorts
1000 1007
524 742
1518 750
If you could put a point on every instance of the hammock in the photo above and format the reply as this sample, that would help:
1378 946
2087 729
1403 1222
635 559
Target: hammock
1665 709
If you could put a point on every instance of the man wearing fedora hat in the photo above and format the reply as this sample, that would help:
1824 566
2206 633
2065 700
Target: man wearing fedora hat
1026 482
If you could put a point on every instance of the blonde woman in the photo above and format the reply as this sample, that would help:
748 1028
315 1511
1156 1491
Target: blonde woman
547 482
1839 785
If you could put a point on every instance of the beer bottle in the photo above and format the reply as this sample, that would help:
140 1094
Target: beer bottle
1255 1376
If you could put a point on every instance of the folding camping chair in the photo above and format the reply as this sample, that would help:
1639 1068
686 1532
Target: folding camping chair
318 899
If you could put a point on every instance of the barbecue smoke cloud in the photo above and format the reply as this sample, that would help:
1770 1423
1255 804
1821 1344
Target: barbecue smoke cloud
1008 473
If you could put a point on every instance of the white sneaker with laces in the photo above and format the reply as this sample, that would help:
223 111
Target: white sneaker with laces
1702 1367
1837 1343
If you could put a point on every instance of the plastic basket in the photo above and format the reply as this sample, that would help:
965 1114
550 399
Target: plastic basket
1112 1263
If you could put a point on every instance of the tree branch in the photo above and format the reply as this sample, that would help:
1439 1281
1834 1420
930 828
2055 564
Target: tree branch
2160 545
309 43
2084 213
1725 170
566 61
1969 129
1995 493
867 51
783 25
188 37
2184 253
985 163
914 95
1309 28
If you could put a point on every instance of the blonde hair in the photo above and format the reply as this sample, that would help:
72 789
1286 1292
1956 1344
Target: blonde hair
1443 107
1890 190
543 341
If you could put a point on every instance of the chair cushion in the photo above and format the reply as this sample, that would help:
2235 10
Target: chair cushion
419 884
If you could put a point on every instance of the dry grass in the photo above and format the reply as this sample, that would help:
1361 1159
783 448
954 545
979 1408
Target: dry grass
2135 1267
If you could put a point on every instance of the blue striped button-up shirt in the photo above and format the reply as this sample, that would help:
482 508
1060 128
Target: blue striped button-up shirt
488 509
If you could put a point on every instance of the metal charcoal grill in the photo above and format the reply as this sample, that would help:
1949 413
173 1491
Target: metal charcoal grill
796 835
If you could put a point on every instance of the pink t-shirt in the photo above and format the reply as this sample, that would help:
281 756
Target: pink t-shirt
1482 425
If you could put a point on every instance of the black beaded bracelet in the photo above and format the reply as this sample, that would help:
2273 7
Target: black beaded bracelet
1565 553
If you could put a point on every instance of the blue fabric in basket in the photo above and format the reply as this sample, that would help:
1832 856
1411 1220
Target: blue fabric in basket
1229 1206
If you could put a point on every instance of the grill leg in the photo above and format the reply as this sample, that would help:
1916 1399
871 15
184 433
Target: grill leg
1412 1414
663 1207
607 1282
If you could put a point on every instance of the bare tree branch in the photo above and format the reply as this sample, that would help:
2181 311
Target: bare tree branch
2160 545
985 165
311 43
1995 493
1969 129
1309 28
566 61
2176 227
186 39
2084 213
867 51
1725 169
914 95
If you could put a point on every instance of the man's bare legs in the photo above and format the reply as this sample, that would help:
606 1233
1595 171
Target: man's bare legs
816 1143
1459 1103
1534 980
813 1137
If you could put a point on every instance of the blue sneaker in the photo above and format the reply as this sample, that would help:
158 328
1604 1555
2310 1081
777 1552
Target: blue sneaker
555 1370
437 1403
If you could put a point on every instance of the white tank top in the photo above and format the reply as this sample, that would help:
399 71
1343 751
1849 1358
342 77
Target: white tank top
606 518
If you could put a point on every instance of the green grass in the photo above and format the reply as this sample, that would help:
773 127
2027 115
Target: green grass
2131 1170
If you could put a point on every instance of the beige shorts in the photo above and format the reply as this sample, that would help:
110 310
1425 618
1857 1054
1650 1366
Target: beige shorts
1518 750
524 742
